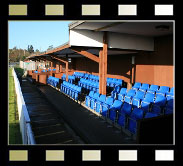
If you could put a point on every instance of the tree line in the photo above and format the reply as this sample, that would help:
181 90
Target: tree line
19 54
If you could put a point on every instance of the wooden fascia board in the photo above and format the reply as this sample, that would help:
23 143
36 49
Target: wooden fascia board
56 50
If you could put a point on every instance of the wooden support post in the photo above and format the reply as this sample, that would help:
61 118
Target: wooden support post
57 68
67 67
66 64
100 72
51 68
60 68
103 66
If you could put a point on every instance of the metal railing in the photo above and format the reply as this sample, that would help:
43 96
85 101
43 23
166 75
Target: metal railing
24 119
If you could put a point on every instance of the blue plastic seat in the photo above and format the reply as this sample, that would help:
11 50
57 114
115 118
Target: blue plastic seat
109 80
88 98
71 89
49 79
136 115
119 82
63 87
74 91
153 89
99 103
170 95
139 96
156 109
113 82
122 94
160 101
123 113
144 87
113 110
63 77
129 96
85 82
77 93
93 100
169 107
115 92
68 88
106 106
147 101
136 86
163 90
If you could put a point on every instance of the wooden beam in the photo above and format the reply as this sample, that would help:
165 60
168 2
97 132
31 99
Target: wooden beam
59 59
86 54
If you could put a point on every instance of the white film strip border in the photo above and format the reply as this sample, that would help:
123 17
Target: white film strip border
91 155
93 10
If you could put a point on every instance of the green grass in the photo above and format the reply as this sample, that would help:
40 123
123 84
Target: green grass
14 128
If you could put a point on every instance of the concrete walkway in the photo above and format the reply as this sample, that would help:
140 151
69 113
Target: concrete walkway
87 125
48 127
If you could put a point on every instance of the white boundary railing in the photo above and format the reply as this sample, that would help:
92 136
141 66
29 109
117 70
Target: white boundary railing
24 119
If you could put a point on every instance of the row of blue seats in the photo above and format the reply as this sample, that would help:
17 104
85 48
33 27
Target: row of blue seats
129 114
144 100
89 84
45 70
78 74
70 89
162 90
53 81
111 82
116 110
51 69
71 79
148 103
